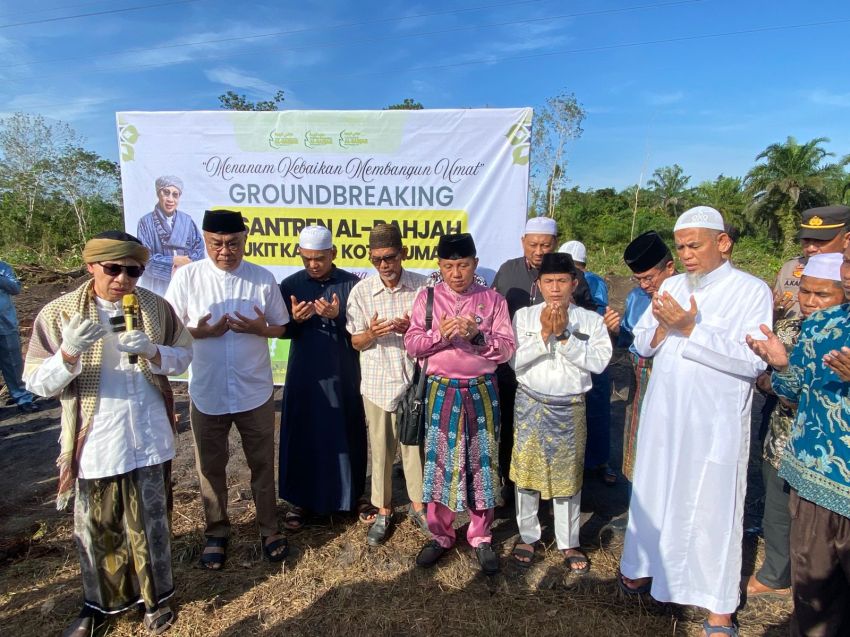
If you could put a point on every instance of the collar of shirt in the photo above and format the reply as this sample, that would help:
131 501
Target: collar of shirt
404 281
222 273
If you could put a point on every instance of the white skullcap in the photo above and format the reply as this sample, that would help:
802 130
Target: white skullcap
700 217
541 225
315 238
824 266
576 250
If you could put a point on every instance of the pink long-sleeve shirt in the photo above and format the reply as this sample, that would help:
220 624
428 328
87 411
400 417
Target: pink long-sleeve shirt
457 358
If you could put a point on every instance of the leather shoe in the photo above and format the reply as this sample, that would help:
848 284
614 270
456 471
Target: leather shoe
487 558
379 530
429 554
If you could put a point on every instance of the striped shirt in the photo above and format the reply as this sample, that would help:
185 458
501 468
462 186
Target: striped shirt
385 368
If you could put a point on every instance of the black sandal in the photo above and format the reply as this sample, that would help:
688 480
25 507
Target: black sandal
270 548
213 561
523 557
581 556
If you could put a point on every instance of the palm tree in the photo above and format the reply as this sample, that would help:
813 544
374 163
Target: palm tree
727 195
792 178
668 184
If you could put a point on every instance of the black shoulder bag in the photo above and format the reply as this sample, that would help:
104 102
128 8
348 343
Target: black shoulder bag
410 413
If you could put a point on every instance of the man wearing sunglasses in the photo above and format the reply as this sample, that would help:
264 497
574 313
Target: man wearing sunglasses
378 317
231 307
117 429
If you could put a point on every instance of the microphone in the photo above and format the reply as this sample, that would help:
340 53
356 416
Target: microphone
130 303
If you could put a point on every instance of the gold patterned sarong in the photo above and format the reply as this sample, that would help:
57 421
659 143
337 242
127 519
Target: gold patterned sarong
550 433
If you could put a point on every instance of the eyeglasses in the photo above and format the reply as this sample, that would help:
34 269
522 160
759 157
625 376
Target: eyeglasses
114 269
646 279
174 194
376 261
233 246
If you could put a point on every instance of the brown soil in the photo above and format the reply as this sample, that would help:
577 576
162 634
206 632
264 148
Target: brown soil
332 584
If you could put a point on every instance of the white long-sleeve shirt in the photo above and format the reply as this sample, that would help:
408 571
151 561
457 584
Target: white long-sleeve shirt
130 427
560 368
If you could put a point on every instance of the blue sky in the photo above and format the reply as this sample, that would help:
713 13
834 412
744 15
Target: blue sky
707 84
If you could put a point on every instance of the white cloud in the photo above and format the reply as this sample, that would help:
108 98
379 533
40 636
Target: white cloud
54 106
663 99
235 78
828 98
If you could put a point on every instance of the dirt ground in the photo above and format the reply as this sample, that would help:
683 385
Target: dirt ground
332 583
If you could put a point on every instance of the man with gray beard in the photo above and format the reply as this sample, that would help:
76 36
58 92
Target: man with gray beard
683 542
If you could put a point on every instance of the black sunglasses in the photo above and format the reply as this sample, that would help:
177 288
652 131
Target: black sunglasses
113 269
376 261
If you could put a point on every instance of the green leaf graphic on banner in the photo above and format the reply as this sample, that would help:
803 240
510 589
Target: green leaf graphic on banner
128 135
519 135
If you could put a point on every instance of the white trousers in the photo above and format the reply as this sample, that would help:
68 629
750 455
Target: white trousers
567 518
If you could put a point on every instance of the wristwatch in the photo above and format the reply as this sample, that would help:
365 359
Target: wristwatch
478 340
563 335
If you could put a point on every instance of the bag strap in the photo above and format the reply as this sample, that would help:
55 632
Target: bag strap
429 308
429 319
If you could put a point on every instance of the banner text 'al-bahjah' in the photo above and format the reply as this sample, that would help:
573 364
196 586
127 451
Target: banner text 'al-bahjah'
430 172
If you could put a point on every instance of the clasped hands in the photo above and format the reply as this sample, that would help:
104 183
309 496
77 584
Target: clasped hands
305 310
462 327
553 320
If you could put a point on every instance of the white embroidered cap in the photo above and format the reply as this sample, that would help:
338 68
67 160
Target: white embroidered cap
576 250
541 225
700 217
824 266
315 238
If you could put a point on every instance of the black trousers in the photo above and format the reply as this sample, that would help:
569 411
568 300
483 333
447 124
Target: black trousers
820 570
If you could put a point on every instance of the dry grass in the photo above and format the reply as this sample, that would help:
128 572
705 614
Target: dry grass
333 584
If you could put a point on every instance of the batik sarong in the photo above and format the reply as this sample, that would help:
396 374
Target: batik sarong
461 452
122 526
643 368
550 433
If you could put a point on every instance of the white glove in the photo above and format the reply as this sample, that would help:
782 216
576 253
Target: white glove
79 334
136 342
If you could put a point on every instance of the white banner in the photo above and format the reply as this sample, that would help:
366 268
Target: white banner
431 172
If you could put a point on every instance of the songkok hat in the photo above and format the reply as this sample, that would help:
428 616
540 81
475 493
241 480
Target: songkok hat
223 222
385 235
541 225
315 238
557 263
645 252
456 246
169 180
576 250
114 244
824 266
700 217
824 223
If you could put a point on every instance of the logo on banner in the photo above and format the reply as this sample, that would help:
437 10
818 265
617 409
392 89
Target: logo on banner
351 139
313 139
282 139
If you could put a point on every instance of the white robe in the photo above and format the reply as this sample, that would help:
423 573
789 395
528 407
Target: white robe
686 511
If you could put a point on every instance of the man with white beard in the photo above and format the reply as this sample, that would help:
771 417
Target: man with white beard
683 542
